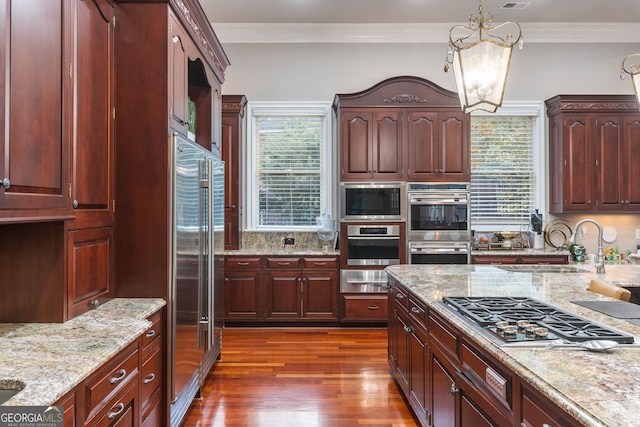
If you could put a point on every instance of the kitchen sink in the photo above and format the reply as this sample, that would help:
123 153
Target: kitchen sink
9 388
541 269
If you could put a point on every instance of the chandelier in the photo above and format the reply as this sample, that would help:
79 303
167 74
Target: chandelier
631 66
481 66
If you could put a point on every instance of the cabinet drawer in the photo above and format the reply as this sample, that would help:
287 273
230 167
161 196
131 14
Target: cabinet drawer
309 263
150 374
365 307
447 338
154 332
418 312
283 263
110 379
121 410
401 297
243 263
488 375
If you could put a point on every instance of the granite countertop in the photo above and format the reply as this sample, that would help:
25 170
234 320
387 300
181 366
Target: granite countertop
266 251
50 359
598 389
525 251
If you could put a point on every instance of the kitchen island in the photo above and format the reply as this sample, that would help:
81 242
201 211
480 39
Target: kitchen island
593 389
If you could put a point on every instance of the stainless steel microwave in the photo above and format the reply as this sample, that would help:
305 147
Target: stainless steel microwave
378 201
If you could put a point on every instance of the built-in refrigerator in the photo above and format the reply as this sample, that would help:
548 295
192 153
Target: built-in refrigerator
197 242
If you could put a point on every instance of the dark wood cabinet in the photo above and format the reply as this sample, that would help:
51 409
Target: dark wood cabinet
438 146
36 96
178 80
233 112
592 143
93 161
364 308
449 381
90 269
371 145
404 128
242 289
281 289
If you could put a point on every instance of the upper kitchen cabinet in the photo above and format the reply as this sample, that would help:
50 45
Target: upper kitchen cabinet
93 180
371 145
403 128
233 111
593 143
36 106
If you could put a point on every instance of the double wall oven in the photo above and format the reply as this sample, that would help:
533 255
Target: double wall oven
373 224
438 229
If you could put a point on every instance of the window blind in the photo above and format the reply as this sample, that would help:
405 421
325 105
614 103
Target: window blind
503 169
288 169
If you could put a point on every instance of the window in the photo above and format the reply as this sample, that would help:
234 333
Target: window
289 165
507 153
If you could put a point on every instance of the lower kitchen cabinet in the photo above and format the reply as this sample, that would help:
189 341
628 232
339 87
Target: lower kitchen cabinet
242 289
128 390
281 289
364 308
538 411
448 381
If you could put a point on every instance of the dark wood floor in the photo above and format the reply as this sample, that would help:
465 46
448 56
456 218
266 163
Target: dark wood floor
301 377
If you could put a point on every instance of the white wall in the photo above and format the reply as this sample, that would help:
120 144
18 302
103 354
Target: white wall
316 72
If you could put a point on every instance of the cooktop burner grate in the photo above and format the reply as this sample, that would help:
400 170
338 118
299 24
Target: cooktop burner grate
488 311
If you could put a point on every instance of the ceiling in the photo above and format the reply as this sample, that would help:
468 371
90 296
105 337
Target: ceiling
286 21
417 11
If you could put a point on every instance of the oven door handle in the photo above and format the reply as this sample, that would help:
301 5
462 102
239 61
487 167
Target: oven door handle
373 236
437 200
427 250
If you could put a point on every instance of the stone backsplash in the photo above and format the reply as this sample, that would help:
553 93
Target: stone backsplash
273 240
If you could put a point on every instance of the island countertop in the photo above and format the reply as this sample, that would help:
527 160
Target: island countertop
52 358
598 389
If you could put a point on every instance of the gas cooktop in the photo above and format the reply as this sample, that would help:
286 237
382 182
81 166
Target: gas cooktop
514 319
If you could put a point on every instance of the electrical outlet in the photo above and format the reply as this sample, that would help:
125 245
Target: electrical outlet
637 233
289 241
582 233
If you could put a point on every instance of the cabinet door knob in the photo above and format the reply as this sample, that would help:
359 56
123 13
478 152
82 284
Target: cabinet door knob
6 183
75 204
454 389
150 333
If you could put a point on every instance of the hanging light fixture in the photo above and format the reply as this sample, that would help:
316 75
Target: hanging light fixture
481 66
631 66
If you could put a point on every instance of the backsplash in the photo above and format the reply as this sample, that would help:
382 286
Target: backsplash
261 240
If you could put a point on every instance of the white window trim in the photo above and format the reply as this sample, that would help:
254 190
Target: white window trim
527 108
287 108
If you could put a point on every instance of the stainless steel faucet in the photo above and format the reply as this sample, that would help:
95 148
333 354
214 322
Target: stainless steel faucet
600 255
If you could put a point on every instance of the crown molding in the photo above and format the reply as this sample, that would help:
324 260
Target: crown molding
533 32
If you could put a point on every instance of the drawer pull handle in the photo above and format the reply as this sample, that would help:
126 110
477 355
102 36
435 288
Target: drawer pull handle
399 296
373 307
407 329
149 378
122 374
320 264
454 389
283 263
151 333
120 407
415 310
243 263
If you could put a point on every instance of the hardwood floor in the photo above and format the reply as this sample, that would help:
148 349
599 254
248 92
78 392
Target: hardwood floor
303 377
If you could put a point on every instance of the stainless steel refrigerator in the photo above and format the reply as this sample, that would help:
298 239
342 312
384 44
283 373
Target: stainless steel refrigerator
197 269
